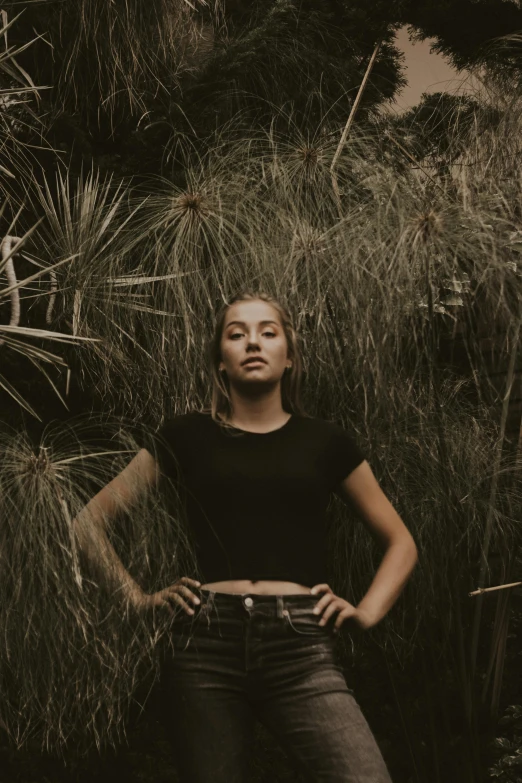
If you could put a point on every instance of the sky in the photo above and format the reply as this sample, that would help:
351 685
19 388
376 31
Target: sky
426 72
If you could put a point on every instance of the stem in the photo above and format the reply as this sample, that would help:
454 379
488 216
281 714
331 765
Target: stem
75 325
49 312
497 587
349 121
74 548
7 253
499 637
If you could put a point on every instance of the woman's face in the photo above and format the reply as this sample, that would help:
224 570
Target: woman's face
253 329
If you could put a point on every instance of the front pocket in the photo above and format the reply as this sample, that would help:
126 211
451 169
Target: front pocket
184 629
183 620
305 623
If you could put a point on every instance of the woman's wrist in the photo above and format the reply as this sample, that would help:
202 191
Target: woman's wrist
366 618
133 592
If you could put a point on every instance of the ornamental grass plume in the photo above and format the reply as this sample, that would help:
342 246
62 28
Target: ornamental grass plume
72 654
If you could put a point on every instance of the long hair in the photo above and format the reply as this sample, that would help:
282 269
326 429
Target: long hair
291 379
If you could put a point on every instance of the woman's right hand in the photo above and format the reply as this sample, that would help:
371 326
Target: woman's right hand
177 594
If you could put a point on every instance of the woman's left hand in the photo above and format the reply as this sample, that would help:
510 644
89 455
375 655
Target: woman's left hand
330 603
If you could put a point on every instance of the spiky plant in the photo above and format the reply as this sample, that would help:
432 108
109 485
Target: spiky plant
90 222
16 337
72 653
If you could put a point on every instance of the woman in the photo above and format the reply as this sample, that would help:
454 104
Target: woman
256 639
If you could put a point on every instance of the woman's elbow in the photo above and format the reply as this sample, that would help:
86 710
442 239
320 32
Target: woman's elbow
405 541
410 548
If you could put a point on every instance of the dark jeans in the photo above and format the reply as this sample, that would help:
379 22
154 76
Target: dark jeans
242 657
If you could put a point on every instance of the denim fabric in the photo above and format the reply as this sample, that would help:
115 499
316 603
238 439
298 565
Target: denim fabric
245 657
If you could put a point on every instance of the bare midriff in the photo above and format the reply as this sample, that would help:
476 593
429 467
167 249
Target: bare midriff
262 587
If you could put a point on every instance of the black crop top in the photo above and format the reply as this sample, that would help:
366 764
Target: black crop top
256 502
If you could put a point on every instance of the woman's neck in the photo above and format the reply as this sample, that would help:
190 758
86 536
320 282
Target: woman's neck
261 426
257 415
258 420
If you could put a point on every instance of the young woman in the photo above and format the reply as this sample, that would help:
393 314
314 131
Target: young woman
255 636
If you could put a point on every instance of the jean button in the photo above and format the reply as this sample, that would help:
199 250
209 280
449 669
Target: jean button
249 602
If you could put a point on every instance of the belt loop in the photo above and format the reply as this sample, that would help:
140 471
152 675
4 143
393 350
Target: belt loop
279 606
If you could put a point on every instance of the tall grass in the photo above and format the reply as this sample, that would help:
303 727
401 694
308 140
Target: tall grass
418 256
119 58
72 656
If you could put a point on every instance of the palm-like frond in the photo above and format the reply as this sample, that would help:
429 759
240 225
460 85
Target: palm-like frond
9 333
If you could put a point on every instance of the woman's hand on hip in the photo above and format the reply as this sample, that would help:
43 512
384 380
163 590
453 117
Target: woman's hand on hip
177 594
330 603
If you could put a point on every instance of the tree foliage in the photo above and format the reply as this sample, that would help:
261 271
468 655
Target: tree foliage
463 28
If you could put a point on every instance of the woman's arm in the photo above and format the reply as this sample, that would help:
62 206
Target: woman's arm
361 490
118 495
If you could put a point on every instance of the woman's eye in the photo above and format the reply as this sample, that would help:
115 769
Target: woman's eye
239 334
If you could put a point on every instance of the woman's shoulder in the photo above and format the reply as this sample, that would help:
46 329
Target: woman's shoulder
329 432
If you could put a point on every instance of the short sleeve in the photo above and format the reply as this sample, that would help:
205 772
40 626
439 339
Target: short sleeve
345 454
164 443
163 447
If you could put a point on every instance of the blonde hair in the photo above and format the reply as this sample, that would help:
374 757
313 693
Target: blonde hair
291 379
